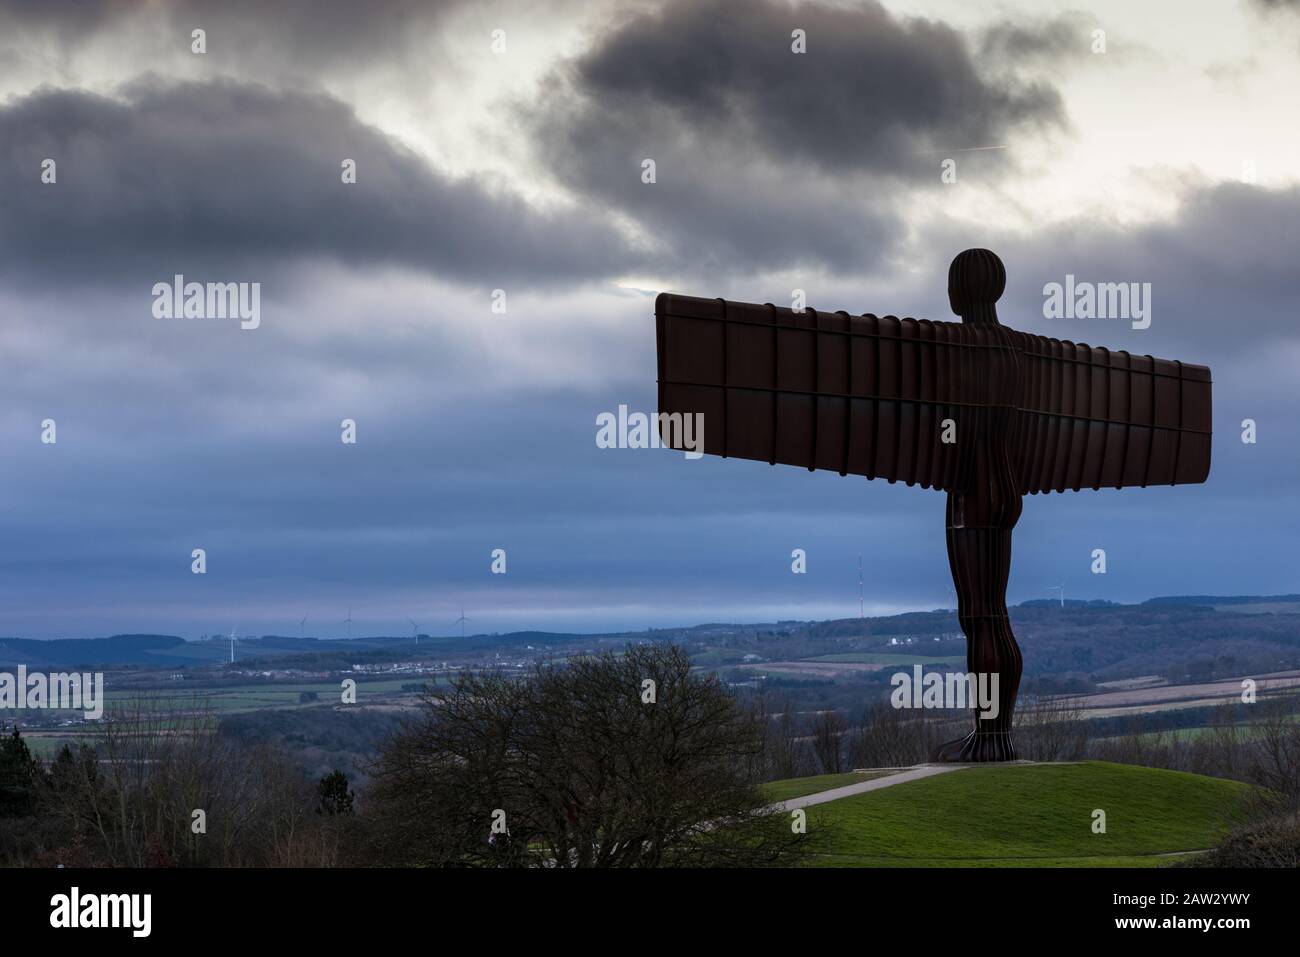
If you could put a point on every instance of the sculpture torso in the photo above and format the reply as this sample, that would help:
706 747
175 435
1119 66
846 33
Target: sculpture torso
987 494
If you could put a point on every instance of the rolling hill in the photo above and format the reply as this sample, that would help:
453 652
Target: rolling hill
1026 815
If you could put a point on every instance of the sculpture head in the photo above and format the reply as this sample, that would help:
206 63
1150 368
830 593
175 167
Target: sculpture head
976 279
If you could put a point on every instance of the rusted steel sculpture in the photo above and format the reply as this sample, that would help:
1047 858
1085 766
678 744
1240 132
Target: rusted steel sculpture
981 411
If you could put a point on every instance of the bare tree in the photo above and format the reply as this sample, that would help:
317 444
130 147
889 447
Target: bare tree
160 787
888 737
769 715
1275 761
1050 728
787 752
619 760
828 731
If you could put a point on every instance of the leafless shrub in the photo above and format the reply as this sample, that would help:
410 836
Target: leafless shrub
580 771
828 731
160 788
786 753
1049 728
1274 762
889 737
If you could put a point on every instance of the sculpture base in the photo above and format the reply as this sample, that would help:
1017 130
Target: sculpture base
978 746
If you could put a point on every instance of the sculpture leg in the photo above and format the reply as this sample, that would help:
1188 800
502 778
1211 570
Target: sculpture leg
980 558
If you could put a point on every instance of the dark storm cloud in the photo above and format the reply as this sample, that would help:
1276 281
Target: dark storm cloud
765 157
205 177
872 88
68 21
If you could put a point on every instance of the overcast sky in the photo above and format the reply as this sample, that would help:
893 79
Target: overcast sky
1173 157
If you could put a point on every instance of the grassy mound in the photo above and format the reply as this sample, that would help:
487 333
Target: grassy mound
1026 816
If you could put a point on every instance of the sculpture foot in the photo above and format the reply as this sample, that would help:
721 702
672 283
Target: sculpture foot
978 746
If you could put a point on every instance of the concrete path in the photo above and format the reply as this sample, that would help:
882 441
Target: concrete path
874 784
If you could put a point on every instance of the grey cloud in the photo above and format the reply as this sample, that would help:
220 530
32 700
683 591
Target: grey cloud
1222 270
100 527
1012 43
303 32
871 90
766 158
199 178
1222 267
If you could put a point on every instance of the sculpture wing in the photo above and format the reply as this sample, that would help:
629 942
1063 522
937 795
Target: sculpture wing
1092 418
860 395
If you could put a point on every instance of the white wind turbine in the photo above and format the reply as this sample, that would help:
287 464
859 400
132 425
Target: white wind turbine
1061 589
348 621
415 629
462 619
301 624
232 644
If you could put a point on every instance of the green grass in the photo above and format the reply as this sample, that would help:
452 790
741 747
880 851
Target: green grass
1028 816
798 787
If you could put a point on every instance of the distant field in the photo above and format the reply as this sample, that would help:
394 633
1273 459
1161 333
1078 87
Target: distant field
1108 704
1243 731
1262 608
881 658
1175 734
258 697
1129 684
849 663
1029 816
46 744
235 699
1226 687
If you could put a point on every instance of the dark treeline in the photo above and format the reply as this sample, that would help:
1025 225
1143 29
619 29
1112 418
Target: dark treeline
161 789
318 739
629 759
